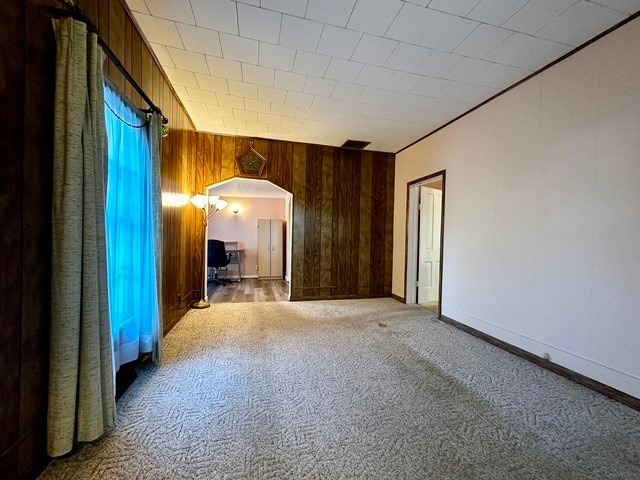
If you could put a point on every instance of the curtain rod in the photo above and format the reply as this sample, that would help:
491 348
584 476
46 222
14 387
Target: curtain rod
73 11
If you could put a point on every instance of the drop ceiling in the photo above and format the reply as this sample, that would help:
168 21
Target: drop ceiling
384 71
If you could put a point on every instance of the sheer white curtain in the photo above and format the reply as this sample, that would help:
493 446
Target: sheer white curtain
81 402
131 232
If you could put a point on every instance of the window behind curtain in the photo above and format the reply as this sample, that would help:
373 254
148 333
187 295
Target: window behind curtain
129 227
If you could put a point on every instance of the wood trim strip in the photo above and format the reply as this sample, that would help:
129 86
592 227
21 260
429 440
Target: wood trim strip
398 298
537 72
583 380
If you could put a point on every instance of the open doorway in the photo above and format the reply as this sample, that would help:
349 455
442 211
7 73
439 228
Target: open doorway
425 238
241 227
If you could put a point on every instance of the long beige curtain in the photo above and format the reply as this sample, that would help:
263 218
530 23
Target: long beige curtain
81 379
155 144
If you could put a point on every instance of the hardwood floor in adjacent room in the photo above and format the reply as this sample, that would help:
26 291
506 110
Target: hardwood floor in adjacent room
249 290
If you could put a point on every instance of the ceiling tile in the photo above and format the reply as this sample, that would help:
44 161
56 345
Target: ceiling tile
239 48
289 81
482 40
536 14
221 67
299 99
374 16
181 77
269 118
430 86
374 50
334 12
402 81
181 91
245 115
526 52
437 64
184 60
176 10
212 83
196 107
347 91
293 7
163 55
279 128
257 105
307 113
321 103
275 56
257 126
211 119
300 33
216 14
465 92
495 12
448 33
281 109
230 101
242 89
258 75
292 121
338 42
159 30
220 111
412 24
258 23
467 69
343 70
456 7
200 40
372 76
269 94
580 23
625 6
319 86
500 76
203 96
235 123
311 64
407 57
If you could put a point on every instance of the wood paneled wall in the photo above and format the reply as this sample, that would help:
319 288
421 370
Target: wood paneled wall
26 139
342 211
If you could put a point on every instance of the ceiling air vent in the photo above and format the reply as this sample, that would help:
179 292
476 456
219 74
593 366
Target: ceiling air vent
355 144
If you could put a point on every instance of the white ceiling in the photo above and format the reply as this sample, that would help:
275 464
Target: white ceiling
385 71
249 188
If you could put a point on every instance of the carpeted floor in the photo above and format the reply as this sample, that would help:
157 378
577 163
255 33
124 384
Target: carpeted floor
351 389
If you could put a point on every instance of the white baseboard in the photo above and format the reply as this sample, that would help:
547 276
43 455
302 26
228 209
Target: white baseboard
623 381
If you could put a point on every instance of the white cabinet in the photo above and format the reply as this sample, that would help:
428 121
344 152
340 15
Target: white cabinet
270 248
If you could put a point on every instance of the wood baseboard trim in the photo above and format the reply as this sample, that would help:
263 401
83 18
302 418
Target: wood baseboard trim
583 380
339 297
398 298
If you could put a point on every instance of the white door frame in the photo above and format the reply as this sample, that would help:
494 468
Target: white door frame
411 257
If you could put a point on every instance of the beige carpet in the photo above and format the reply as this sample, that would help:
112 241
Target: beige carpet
352 389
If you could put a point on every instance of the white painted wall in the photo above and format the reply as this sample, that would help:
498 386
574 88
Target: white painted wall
243 227
542 220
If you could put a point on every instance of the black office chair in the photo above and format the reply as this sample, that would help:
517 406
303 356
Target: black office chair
218 258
